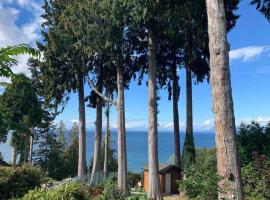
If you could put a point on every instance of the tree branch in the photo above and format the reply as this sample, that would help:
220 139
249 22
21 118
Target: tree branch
100 95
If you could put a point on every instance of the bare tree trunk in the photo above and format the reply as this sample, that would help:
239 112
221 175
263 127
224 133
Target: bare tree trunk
121 128
31 145
14 155
97 168
107 140
189 147
82 130
26 149
176 91
225 130
154 187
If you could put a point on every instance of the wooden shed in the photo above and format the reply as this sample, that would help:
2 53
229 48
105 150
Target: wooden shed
168 176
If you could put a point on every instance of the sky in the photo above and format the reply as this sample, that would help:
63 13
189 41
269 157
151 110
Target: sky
20 22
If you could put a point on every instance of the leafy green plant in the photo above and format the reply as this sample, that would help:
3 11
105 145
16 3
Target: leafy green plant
137 194
200 184
7 57
17 182
70 191
256 178
253 137
133 179
110 191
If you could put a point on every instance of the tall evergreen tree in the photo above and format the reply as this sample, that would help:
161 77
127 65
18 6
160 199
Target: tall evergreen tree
224 119
65 65
262 6
22 108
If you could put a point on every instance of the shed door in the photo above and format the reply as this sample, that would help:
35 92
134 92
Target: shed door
168 183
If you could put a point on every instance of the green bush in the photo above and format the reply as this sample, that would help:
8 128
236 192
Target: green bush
256 178
200 184
110 191
17 182
70 191
133 179
137 194
251 138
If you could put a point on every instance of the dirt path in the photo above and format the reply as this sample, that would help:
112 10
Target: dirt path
175 197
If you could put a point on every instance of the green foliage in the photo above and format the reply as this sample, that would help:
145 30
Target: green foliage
110 191
201 178
253 138
17 182
256 178
20 104
133 179
140 195
70 191
262 6
206 159
58 160
4 127
200 184
112 159
189 153
7 57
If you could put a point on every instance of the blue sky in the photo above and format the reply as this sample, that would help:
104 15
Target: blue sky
249 61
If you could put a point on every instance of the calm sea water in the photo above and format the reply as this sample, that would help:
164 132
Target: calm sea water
137 148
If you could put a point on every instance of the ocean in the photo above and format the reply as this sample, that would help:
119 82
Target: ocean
137 148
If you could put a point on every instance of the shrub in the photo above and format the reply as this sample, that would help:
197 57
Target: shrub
133 179
17 182
110 191
253 137
256 178
206 158
137 194
70 191
200 184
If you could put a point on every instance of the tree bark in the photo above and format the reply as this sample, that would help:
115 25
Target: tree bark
107 140
121 129
154 187
82 129
189 147
31 145
26 149
224 119
14 155
176 91
97 168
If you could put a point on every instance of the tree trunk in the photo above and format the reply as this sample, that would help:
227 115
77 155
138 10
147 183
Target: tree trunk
121 129
97 168
154 187
225 130
189 147
176 91
26 149
107 140
82 130
31 145
14 155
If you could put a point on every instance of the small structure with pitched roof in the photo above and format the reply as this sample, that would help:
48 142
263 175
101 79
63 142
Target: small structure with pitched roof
168 176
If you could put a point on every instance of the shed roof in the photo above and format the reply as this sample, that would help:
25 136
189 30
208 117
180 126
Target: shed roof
163 168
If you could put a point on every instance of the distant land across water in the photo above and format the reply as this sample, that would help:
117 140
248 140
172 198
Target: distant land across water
137 148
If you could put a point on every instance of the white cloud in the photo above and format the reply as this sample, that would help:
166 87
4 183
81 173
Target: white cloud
12 34
259 119
248 53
